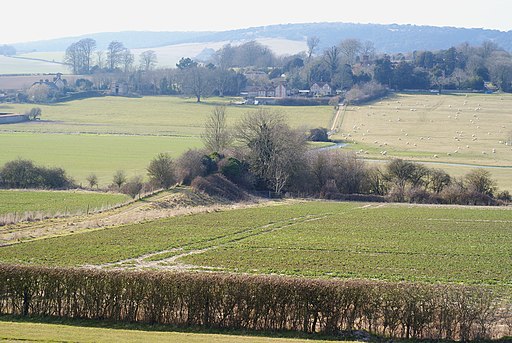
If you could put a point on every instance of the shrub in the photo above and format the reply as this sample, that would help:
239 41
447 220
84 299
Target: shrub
34 113
119 178
194 163
189 166
365 92
25 174
92 180
504 196
318 135
161 171
133 187
480 181
418 195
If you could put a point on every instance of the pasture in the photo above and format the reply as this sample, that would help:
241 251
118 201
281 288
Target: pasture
150 115
102 135
51 202
389 242
453 129
456 128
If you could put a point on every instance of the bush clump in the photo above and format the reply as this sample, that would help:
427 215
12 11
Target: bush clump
25 174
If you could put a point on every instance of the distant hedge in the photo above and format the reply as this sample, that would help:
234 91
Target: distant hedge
251 302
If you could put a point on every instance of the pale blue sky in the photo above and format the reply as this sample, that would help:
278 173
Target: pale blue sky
30 20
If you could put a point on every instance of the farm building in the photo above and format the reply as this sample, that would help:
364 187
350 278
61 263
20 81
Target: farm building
119 88
321 89
271 91
12 118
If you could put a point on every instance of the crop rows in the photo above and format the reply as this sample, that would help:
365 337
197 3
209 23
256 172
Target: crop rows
321 239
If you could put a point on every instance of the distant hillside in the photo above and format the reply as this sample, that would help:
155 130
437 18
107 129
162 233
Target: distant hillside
130 39
387 38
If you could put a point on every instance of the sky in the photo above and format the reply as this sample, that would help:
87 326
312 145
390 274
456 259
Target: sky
31 20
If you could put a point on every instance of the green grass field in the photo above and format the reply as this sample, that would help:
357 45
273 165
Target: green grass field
313 239
51 202
19 331
102 135
149 116
83 154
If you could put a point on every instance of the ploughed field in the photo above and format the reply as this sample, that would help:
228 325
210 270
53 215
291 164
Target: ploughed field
314 239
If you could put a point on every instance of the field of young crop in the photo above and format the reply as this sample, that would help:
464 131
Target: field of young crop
313 239
52 202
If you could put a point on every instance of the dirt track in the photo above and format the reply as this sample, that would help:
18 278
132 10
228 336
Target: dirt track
166 204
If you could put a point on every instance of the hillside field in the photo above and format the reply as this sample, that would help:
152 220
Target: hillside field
51 202
10 65
452 131
456 128
389 242
43 62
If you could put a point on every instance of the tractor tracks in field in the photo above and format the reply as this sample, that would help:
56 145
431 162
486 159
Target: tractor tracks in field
170 259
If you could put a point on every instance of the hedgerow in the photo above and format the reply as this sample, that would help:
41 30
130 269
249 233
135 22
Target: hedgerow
269 303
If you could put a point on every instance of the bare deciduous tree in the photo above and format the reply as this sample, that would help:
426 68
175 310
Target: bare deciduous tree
127 59
332 57
313 43
148 60
275 150
161 171
115 52
119 178
197 81
216 136
92 180
349 50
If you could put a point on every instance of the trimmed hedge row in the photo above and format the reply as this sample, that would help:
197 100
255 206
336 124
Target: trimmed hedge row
401 310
